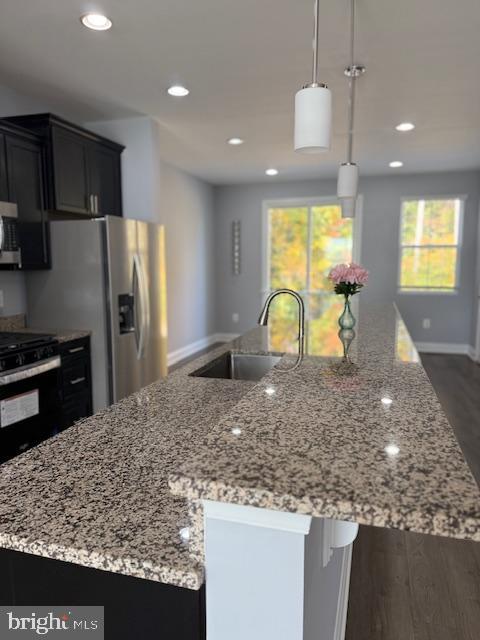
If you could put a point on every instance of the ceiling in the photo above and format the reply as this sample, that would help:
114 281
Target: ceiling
243 62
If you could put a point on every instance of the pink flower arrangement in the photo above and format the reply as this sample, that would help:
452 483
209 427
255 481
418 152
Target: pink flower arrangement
348 278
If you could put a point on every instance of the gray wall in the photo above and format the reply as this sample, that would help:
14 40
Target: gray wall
451 315
155 191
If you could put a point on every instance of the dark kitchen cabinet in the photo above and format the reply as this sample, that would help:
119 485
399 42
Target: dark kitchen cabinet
3 171
83 175
104 177
134 608
70 163
24 175
76 381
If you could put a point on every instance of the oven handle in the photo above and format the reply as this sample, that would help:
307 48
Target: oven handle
23 373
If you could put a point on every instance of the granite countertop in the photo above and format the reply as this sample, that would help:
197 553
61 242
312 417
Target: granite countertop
16 323
62 335
97 494
373 447
311 441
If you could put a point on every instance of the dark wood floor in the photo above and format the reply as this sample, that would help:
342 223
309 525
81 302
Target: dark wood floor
406 586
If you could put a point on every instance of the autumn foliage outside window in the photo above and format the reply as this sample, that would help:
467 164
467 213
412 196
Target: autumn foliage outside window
430 244
304 244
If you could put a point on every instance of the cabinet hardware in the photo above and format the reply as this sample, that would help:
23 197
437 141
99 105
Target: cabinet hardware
77 380
76 349
96 204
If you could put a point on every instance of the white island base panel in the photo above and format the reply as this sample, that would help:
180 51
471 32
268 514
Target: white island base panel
272 575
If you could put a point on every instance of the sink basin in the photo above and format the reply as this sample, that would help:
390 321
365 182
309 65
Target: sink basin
238 366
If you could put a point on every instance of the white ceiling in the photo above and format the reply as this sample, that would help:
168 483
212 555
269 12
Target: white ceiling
243 60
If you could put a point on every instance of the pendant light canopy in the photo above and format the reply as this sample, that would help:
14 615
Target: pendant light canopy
313 108
347 185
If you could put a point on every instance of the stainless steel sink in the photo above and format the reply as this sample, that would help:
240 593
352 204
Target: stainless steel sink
238 366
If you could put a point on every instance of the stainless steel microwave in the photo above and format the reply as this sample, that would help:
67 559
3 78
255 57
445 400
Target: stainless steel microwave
9 246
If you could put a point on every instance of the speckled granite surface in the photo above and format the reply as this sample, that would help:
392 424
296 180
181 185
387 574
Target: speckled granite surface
12 323
62 335
97 494
315 442
17 323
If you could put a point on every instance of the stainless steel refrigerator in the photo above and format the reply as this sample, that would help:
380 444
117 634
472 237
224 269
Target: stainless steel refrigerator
107 276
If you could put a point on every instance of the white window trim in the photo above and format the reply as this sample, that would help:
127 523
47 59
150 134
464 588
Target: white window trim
304 202
431 291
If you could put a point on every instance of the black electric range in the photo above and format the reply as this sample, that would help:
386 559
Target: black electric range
29 390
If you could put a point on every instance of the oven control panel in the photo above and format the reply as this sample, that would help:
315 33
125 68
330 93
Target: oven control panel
27 357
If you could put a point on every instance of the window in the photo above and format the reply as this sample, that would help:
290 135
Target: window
430 237
304 241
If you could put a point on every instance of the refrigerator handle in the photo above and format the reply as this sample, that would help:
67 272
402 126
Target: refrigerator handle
146 305
136 302
139 276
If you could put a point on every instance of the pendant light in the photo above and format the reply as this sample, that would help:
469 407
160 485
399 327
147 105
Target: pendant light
313 107
347 185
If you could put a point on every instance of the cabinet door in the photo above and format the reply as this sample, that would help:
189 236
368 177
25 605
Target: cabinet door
24 160
3 171
104 173
70 160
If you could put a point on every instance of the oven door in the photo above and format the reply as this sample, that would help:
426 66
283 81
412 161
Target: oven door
29 406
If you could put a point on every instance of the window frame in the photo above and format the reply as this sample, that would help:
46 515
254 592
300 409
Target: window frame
303 202
432 291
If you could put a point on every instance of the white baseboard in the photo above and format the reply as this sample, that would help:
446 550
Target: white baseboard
473 354
194 347
445 348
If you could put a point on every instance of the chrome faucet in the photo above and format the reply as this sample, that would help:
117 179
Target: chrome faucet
263 319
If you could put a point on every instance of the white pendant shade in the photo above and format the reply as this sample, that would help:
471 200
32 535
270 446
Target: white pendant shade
349 206
347 184
313 119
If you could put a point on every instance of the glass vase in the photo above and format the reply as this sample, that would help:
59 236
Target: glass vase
347 319
346 334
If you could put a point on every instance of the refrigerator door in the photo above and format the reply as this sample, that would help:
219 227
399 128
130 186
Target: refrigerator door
152 284
123 308
137 310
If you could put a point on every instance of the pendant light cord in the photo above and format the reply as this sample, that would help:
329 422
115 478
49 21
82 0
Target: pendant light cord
351 109
315 42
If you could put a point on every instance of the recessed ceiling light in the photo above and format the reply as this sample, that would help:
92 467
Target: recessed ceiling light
396 164
405 126
387 401
96 21
272 172
236 431
178 91
235 141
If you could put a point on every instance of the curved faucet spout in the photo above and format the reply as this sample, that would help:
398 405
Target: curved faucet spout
263 319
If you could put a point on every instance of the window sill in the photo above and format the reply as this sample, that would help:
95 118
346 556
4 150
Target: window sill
427 292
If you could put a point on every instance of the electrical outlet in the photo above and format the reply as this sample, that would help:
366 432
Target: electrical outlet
426 323
235 317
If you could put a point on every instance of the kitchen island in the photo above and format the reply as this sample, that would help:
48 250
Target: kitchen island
303 456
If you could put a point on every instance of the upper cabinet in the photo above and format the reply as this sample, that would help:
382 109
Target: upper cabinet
82 169
24 169
22 182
